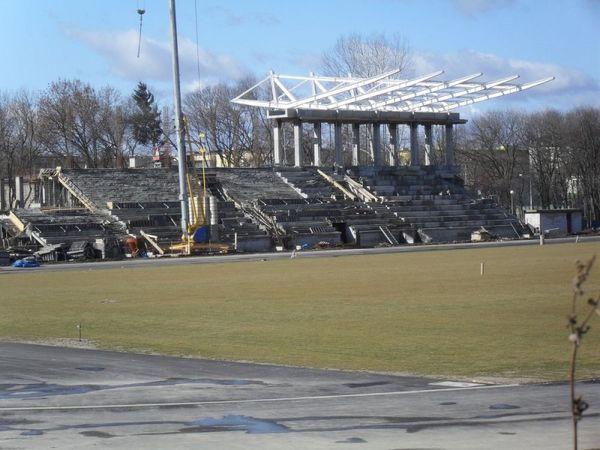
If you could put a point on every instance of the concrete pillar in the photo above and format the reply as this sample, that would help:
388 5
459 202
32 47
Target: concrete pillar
355 144
449 145
317 143
53 200
297 144
43 191
277 143
19 193
429 156
337 138
414 145
376 144
393 153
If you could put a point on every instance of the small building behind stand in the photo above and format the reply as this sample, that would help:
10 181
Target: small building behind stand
555 221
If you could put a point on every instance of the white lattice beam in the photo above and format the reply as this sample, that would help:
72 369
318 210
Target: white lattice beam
378 93
386 90
510 90
461 93
426 91
339 90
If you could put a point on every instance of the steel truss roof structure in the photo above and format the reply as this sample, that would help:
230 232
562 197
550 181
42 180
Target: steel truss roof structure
381 93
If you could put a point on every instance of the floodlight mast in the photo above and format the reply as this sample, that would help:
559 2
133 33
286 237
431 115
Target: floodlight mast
181 153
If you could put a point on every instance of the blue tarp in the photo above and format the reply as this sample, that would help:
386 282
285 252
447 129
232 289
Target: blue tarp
202 234
26 263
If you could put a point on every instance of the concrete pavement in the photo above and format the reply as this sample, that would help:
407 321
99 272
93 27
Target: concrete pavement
53 397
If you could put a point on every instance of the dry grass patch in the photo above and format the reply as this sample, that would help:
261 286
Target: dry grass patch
427 313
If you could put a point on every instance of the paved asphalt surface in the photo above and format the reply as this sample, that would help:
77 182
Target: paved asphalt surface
53 397
145 262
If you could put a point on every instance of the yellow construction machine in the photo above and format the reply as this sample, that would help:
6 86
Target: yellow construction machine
197 239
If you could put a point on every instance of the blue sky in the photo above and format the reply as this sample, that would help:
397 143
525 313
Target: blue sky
96 40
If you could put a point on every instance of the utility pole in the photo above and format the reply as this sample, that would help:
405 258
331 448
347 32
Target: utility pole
530 193
179 121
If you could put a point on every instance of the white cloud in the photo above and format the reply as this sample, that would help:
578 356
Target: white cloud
569 87
119 48
234 18
473 7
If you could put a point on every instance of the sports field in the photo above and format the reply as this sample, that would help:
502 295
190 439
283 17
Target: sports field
422 313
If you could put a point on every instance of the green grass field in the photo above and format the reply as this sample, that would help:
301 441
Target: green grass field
423 313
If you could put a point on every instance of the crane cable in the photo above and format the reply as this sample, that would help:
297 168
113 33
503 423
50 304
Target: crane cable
197 42
140 11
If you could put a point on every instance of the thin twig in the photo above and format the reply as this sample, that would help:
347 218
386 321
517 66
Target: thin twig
574 414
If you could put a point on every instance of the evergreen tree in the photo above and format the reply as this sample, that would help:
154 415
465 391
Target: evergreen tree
146 118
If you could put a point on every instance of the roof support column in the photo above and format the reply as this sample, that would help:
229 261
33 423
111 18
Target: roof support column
429 154
277 143
297 144
317 142
376 144
393 153
449 145
414 145
355 144
43 192
55 202
337 138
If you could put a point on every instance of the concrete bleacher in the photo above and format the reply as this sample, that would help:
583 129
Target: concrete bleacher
125 185
145 201
248 185
325 216
260 208
435 203
65 226
308 183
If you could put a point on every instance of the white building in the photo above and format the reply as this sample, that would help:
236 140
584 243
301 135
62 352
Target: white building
555 220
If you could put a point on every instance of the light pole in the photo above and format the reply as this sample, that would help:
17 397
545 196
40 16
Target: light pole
530 192
512 201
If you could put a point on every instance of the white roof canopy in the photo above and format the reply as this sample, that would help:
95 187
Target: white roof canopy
380 93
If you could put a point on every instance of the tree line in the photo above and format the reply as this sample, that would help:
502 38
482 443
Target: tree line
543 159
546 159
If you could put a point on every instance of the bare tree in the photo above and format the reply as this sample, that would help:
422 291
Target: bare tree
366 56
495 152
81 122
19 144
241 135
583 134
544 138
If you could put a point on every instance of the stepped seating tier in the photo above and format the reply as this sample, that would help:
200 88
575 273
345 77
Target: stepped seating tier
258 207
125 185
147 200
249 185
67 225
435 202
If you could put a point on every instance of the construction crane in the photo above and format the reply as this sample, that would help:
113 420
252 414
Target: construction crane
197 238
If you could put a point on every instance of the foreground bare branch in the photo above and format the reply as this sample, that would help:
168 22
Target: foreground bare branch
578 329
